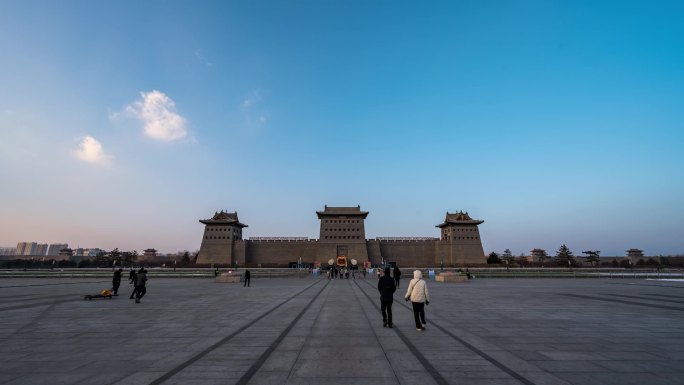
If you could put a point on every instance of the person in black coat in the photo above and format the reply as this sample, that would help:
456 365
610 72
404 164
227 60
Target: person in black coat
133 277
386 288
116 281
140 284
397 276
247 278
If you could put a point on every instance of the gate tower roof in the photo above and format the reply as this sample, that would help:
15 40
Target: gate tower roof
342 211
223 218
459 218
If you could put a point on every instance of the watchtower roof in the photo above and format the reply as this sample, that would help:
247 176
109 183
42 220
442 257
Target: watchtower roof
459 218
342 211
224 218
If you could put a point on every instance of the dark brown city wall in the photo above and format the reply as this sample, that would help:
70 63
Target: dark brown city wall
373 250
216 253
408 253
461 253
279 253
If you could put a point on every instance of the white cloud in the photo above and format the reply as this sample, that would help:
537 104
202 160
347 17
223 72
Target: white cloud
90 150
158 114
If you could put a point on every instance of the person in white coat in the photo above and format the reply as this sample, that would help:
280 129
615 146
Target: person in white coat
417 293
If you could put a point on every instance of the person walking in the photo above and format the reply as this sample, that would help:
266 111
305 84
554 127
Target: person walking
386 288
247 278
116 281
397 275
417 293
140 284
133 279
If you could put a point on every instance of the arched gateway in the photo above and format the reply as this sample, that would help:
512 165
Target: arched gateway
342 233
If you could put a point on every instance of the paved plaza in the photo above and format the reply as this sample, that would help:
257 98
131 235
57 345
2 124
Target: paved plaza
316 331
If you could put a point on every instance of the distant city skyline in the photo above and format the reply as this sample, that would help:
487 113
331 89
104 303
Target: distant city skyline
122 124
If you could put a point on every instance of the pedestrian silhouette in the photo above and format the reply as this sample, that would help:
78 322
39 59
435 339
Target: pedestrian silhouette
386 288
397 275
247 278
140 284
116 282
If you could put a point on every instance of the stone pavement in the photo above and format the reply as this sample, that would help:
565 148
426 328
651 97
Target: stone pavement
306 331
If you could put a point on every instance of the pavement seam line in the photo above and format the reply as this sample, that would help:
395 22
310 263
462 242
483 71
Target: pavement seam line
52 284
664 295
51 303
299 353
479 352
646 298
376 334
264 356
225 339
623 301
419 356
34 298
643 284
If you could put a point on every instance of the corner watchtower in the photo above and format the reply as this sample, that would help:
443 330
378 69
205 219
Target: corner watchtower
220 234
460 240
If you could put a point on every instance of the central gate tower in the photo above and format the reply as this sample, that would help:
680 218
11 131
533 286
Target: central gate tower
342 233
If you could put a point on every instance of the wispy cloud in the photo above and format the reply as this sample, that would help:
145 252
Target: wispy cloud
90 151
249 108
250 101
159 117
200 56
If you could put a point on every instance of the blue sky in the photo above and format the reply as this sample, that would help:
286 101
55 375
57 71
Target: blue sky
123 123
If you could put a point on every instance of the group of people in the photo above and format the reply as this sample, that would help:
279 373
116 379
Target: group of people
136 278
417 293
341 273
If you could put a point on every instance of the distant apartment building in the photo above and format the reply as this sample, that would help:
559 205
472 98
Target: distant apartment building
26 248
84 252
93 252
31 249
41 249
54 248
7 251
19 250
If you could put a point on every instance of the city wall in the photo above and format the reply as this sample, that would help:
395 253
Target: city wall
418 253
275 253
403 252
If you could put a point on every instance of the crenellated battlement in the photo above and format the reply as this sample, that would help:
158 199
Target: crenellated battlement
280 240
404 239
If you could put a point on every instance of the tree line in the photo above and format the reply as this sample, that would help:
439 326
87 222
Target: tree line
564 257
